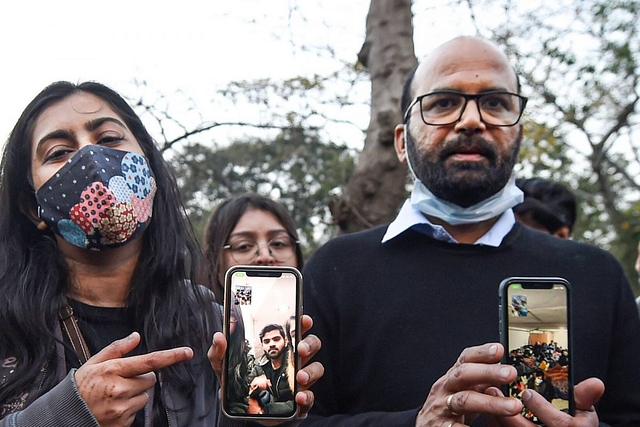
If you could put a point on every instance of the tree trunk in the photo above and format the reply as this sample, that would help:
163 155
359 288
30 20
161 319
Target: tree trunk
377 187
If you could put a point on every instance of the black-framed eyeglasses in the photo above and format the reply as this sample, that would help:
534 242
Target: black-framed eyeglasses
244 251
445 107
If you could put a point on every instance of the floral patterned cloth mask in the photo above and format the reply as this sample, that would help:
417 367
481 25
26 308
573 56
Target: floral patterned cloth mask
101 198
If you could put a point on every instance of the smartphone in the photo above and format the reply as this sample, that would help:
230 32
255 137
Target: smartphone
262 309
535 330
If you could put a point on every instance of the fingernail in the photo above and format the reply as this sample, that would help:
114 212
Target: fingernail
304 399
493 349
305 378
526 395
505 371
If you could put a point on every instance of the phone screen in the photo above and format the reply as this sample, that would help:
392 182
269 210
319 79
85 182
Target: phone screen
262 312
535 330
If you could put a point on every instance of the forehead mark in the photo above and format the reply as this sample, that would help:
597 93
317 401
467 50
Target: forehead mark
86 105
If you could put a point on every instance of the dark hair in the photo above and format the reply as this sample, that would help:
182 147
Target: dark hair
407 97
222 222
291 321
549 203
238 359
272 327
170 309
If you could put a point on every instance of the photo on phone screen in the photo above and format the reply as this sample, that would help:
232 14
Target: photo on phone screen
262 312
535 331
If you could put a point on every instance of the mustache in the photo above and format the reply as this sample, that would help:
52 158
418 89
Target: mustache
474 143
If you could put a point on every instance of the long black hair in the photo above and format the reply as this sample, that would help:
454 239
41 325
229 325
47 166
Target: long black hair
222 222
238 360
170 309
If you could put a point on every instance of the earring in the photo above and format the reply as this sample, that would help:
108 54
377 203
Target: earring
42 226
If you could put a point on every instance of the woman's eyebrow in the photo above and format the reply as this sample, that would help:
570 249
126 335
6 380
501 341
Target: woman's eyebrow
96 123
56 134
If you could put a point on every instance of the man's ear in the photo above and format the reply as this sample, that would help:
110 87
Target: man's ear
399 143
563 232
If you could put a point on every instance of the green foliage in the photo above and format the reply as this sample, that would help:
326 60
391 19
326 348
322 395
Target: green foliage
295 168
579 65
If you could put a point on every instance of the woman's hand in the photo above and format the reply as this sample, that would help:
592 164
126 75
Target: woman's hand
114 387
305 377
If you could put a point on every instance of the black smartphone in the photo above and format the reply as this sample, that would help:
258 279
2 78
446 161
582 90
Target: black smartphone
535 330
262 309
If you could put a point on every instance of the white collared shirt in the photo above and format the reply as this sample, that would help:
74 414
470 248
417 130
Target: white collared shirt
410 216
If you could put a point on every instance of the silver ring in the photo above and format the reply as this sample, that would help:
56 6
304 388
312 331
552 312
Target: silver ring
450 407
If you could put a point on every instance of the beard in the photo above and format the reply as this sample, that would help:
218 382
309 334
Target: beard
463 183
274 356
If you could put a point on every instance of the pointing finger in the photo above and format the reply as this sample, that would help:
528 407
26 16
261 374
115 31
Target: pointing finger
116 349
138 365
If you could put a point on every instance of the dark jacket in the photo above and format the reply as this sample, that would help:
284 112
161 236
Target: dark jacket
399 313
280 399
63 406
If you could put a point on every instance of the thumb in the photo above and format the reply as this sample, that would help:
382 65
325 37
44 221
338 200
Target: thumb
116 349
587 393
216 352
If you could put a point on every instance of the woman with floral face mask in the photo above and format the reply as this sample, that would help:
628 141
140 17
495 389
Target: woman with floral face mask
102 320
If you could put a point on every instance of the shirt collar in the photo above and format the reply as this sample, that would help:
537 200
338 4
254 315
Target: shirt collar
409 217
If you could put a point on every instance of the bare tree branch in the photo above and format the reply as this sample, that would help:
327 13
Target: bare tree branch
169 144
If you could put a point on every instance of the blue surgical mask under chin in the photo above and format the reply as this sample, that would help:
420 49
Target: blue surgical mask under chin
426 202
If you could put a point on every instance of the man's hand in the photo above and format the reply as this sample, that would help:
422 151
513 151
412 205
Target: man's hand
114 387
260 382
586 394
458 397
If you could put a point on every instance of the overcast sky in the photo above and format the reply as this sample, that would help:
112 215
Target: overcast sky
191 46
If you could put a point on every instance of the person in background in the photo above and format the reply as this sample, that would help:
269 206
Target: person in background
290 329
548 206
270 382
241 361
248 229
103 322
408 312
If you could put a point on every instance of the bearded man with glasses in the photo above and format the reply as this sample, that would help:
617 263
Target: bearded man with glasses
403 309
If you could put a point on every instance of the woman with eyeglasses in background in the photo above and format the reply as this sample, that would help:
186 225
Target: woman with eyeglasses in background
249 229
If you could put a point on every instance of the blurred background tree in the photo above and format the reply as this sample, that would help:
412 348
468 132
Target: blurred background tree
295 167
578 63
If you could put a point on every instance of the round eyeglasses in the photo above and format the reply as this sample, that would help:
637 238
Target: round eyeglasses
245 251
496 108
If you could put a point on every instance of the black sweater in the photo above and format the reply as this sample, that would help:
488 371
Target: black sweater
394 317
